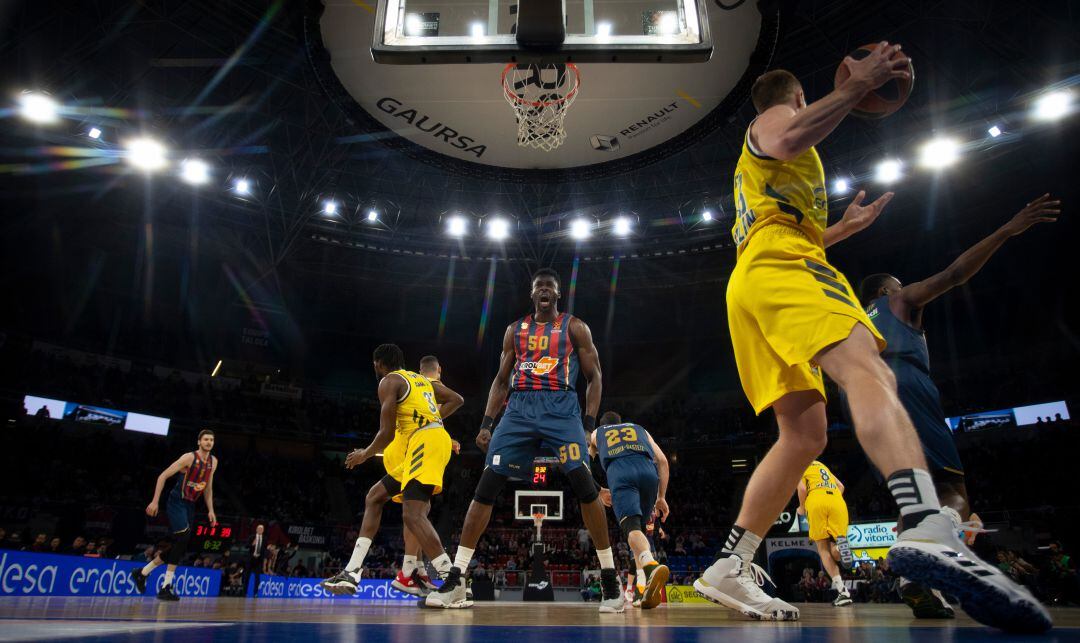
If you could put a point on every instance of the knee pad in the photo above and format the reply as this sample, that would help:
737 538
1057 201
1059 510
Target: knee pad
629 524
583 485
487 490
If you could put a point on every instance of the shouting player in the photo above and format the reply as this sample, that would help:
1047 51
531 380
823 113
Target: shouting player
792 315
637 474
897 312
416 449
821 500
541 355
198 468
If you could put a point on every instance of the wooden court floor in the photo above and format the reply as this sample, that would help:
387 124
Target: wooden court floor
236 619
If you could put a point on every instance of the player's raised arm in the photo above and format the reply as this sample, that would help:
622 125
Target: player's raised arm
784 133
181 463
857 217
663 470
390 389
449 400
208 493
500 387
917 295
589 359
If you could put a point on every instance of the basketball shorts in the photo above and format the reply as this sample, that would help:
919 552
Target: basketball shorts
394 454
827 513
634 483
426 456
786 304
180 512
538 423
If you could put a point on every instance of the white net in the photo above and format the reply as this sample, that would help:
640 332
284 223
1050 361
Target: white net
541 95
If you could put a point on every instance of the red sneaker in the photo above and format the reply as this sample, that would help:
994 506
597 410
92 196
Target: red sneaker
406 584
424 581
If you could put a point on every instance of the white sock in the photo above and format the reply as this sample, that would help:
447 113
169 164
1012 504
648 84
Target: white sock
359 552
742 543
641 577
463 558
442 563
607 560
408 566
644 558
151 566
838 583
169 574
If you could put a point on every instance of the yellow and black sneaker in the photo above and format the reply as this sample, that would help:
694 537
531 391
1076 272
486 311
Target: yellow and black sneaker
656 576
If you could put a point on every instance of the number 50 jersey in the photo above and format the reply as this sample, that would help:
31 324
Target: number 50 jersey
417 408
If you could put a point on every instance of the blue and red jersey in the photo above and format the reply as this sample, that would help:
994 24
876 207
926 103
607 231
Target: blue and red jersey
196 478
544 355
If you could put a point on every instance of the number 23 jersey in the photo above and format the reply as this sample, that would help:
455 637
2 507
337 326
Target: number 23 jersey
417 408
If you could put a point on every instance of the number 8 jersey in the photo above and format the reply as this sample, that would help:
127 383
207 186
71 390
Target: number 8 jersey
417 408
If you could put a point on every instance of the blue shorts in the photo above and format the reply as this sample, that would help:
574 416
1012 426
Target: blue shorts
634 483
923 403
538 423
180 512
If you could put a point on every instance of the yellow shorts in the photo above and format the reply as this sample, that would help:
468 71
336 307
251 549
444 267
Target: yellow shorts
785 304
827 515
426 457
394 454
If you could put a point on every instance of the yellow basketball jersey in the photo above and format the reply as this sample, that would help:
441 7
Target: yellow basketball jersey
417 408
817 476
769 190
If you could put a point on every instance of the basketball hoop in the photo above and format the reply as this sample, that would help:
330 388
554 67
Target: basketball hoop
541 95
538 520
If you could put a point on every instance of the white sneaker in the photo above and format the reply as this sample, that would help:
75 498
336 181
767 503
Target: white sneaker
451 595
734 584
843 599
612 599
930 553
343 583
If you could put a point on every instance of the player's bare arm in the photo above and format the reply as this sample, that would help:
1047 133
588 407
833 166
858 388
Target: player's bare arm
181 463
500 387
448 399
663 471
589 359
390 389
857 217
908 303
784 133
208 494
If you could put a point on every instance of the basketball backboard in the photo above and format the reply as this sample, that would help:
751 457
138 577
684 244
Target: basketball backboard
470 31
529 501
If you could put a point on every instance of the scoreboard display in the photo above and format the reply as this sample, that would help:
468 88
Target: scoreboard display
540 475
213 538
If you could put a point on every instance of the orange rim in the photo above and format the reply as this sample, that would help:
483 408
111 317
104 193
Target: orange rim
510 95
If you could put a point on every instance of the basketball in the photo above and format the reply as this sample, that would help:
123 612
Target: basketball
884 100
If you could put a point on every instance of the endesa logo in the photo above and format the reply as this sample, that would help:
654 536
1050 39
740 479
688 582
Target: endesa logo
282 587
27 574
542 367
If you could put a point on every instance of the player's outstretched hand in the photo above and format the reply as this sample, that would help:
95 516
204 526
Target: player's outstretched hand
605 496
1044 209
858 217
483 438
151 509
356 457
879 67
662 509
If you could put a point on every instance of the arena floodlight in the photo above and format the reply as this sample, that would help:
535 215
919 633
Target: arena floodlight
994 131
94 133
146 154
456 226
840 186
706 215
242 187
498 229
622 226
195 171
939 153
330 207
39 108
888 171
372 216
580 229
1052 106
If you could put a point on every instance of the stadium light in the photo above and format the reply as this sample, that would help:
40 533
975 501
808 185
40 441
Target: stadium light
146 154
1052 106
498 229
888 171
329 207
372 216
242 187
994 131
939 153
195 171
456 226
94 133
840 186
413 24
706 215
477 30
622 226
603 29
669 23
39 108
579 229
